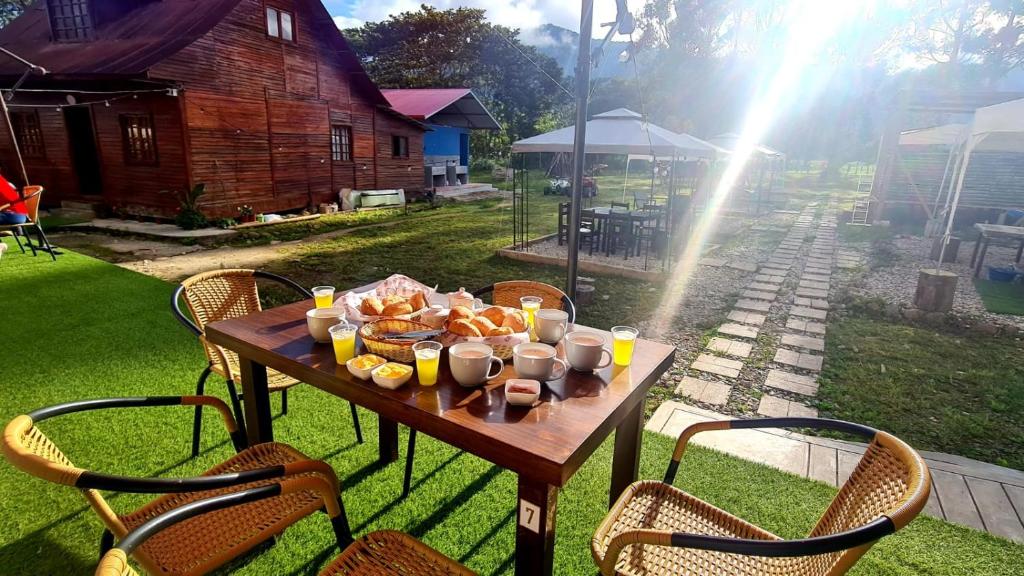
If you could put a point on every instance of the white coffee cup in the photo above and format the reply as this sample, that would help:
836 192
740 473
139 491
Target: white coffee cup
550 324
537 361
320 320
583 350
470 363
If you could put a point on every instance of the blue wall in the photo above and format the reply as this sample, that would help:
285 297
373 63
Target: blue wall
443 141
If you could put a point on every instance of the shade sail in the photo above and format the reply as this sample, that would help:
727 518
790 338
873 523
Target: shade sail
945 135
999 127
730 140
621 131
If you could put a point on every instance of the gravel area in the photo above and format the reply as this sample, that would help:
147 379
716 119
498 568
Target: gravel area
896 281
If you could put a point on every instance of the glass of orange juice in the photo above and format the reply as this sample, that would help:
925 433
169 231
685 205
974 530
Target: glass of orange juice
323 296
623 341
343 336
530 305
428 358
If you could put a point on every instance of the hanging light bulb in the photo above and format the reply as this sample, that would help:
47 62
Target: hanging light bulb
106 103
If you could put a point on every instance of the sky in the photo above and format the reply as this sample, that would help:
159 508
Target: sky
522 14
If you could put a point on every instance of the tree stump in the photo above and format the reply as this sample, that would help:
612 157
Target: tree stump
935 290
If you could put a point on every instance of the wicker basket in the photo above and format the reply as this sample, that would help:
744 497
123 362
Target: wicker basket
397 350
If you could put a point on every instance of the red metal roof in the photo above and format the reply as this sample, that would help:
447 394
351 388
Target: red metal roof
422 103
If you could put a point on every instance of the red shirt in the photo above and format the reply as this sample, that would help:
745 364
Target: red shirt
9 193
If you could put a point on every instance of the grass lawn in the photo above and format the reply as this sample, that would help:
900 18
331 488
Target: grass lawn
1001 297
87 329
962 394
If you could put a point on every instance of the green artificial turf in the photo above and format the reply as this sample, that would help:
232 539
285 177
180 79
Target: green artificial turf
1001 297
961 394
82 328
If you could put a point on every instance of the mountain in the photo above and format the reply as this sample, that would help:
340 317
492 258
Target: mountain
560 44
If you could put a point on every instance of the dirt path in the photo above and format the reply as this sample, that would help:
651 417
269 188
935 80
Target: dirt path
171 261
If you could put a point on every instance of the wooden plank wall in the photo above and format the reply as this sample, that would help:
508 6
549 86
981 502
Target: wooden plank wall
53 171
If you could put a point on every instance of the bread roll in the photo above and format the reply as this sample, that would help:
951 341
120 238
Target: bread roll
393 299
483 324
503 331
515 320
463 327
371 306
496 314
397 309
461 313
418 301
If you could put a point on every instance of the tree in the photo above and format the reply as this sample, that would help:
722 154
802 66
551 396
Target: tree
458 48
11 9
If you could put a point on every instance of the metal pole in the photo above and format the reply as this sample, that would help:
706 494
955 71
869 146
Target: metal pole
956 202
579 144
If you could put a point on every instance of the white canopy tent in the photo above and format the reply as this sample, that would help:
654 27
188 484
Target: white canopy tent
945 135
997 128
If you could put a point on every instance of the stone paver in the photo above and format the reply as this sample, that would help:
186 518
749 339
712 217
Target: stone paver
743 265
812 302
764 287
753 305
730 347
769 279
805 326
738 330
811 293
717 365
758 295
774 271
801 360
816 277
816 270
703 390
775 407
713 262
807 342
751 318
796 383
815 285
806 312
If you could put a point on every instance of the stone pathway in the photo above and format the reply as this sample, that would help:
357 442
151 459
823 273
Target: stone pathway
964 491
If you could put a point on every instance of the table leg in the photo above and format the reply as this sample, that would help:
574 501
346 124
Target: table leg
981 257
387 435
626 459
974 254
535 528
256 399
1020 251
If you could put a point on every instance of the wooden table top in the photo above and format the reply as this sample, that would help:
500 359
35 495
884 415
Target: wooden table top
548 442
1000 230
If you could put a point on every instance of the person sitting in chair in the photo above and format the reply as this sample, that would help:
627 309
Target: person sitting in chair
14 210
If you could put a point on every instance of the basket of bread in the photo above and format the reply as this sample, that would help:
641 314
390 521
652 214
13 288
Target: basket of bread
497 326
397 349
396 297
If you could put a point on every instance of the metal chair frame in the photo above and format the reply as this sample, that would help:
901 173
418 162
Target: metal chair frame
31 201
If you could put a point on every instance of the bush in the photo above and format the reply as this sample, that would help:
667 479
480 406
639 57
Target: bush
483 164
190 219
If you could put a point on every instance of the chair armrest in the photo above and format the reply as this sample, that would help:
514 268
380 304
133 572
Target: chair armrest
813 423
180 314
870 532
284 281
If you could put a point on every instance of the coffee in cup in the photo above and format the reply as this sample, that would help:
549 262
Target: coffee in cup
470 363
537 361
550 324
584 350
320 320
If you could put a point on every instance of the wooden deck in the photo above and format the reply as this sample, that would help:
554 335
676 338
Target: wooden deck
964 491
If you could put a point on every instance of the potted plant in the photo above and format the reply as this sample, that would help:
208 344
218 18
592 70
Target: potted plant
190 216
246 214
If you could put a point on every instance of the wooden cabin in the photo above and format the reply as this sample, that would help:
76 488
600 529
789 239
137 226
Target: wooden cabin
263 101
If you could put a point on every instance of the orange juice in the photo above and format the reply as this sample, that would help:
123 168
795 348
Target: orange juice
530 305
323 296
623 341
343 336
427 362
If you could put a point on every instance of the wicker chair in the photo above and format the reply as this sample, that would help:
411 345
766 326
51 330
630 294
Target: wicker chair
384 552
655 528
204 543
223 294
31 196
509 293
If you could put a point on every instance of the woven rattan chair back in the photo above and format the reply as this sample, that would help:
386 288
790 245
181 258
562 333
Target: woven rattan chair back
32 195
509 293
221 294
892 480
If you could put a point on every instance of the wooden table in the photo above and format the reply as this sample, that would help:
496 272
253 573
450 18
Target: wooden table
544 445
986 232
601 215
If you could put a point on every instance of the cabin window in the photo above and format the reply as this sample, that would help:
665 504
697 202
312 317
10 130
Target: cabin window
280 24
138 138
341 143
28 133
70 20
400 146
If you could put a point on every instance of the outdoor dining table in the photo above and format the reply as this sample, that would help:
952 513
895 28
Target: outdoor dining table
543 445
986 232
601 214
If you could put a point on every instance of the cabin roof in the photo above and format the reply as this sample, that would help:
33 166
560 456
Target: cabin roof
444 106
